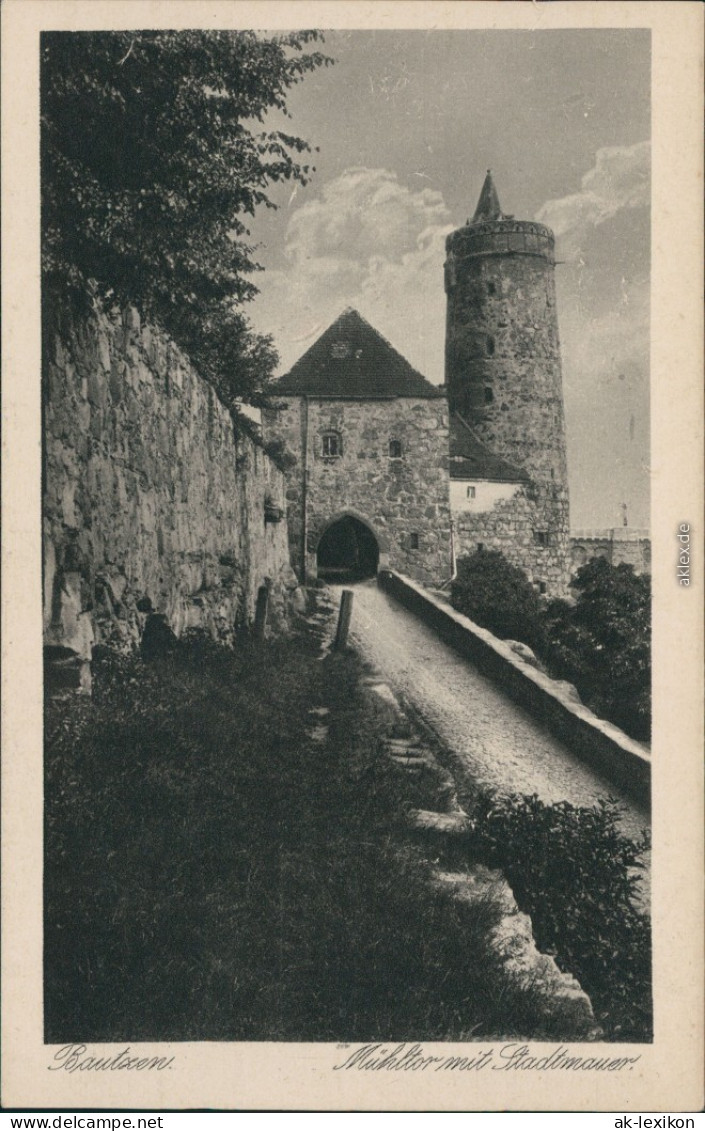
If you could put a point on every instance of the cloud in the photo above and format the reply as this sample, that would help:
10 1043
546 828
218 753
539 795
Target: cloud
620 179
602 237
369 242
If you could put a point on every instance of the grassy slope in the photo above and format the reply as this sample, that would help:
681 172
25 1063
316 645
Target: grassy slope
213 872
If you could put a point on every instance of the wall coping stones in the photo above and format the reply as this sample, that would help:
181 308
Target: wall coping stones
612 534
594 740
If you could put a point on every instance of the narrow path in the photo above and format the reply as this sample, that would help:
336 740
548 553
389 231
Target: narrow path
499 743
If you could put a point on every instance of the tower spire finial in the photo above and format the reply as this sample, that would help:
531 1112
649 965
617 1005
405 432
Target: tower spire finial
488 205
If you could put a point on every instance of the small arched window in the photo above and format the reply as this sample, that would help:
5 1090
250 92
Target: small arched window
395 449
331 445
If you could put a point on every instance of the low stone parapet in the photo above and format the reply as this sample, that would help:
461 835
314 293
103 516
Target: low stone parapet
595 741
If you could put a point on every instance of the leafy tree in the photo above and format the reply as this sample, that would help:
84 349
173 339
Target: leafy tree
498 596
153 156
603 642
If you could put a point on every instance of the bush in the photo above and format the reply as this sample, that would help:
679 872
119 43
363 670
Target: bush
602 644
498 596
576 874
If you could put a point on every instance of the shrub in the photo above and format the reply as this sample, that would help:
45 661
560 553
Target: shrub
498 596
576 874
602 643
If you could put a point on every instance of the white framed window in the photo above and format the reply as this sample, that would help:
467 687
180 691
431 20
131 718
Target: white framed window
470 492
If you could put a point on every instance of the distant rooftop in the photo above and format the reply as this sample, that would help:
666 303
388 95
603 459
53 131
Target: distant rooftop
470 459
351 359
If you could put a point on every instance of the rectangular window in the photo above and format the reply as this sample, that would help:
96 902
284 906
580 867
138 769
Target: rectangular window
414 541
541 537
470 492
480 547
331 444
395 449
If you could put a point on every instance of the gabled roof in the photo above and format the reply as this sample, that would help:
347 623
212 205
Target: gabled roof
470 459
351 359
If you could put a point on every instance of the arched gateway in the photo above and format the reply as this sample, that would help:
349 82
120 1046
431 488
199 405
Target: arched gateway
348 549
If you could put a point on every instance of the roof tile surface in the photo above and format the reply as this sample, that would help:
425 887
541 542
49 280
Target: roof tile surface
351 359
470 459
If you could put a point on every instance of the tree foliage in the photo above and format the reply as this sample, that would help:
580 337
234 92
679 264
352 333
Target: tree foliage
153 157
602 643
498 596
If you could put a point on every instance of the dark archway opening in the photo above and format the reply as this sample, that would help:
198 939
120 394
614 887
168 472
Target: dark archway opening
348 551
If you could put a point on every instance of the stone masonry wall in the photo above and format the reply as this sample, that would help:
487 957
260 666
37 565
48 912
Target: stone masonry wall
513 526
503 370
628 545
396 498
152 501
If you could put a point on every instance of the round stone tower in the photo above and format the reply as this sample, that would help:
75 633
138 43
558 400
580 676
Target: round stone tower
503 371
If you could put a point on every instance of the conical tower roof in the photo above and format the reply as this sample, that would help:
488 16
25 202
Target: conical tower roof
488 205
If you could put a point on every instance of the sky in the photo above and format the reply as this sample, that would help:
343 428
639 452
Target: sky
406 124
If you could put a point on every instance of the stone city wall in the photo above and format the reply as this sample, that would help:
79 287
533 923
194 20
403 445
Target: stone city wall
153 503
619 544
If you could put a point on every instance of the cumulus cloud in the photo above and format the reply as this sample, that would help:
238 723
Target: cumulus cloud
370 242
618 180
